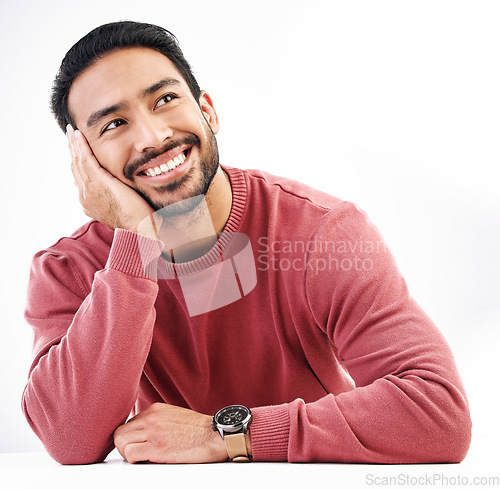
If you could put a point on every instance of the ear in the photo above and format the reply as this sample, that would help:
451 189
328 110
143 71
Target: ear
208 110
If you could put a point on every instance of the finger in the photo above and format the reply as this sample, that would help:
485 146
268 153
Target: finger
81 153
69 135
70 144
132 425
122 438
75 153
77 177
79 156
79 142
88 161
73 168
137 452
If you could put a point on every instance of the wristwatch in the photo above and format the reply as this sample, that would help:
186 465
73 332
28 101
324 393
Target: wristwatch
232 422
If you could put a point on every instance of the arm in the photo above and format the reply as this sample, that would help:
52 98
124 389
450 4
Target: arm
92 337
91 342
409 404
89 349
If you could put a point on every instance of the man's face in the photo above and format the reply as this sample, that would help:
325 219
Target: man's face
145 127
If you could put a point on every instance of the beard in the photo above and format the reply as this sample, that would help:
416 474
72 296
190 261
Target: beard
192 186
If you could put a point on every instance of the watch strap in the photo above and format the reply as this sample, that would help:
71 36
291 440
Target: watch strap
236 446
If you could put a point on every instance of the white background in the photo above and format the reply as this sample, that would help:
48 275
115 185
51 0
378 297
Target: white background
394 105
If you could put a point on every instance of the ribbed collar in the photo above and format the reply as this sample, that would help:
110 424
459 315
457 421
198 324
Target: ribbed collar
215 254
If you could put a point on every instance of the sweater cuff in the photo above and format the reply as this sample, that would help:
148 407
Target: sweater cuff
134 254
269 432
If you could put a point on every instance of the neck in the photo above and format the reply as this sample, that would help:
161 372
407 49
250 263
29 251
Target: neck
192 235
219 200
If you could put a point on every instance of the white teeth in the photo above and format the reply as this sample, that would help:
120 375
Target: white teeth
166 167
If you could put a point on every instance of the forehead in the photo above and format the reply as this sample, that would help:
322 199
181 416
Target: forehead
119 77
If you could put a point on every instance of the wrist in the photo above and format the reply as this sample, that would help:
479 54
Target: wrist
148 227
248 441
134 254
233 424
217 447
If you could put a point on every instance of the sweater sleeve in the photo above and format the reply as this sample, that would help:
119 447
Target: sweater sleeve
90 345
408 405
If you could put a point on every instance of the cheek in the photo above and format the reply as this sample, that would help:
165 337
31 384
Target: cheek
112 158
190 120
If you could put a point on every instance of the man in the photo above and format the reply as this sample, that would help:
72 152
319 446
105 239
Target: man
312 350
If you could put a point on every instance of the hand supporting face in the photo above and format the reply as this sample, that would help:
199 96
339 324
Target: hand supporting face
103 196
170 434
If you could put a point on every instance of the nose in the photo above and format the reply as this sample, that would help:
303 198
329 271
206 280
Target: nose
150 133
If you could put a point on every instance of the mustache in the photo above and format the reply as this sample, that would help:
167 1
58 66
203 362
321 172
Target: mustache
132 167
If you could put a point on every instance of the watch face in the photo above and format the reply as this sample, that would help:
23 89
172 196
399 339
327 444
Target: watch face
233 415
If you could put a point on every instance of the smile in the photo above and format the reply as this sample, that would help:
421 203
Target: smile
165 167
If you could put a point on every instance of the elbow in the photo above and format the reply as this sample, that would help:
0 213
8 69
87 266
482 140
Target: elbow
76 455
442 433
77 459
458 428
458 439
68 451
70 446
450 439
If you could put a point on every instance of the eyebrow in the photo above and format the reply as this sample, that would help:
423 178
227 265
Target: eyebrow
96 116
166 82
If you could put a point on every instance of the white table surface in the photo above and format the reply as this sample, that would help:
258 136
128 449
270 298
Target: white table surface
481 468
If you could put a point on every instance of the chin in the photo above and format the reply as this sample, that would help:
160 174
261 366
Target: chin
183 195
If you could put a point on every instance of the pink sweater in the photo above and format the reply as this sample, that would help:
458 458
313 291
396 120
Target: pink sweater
336 360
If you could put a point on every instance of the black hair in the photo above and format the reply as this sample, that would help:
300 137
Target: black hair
107 38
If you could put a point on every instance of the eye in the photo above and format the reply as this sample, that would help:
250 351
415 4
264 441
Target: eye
165 99
112 125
